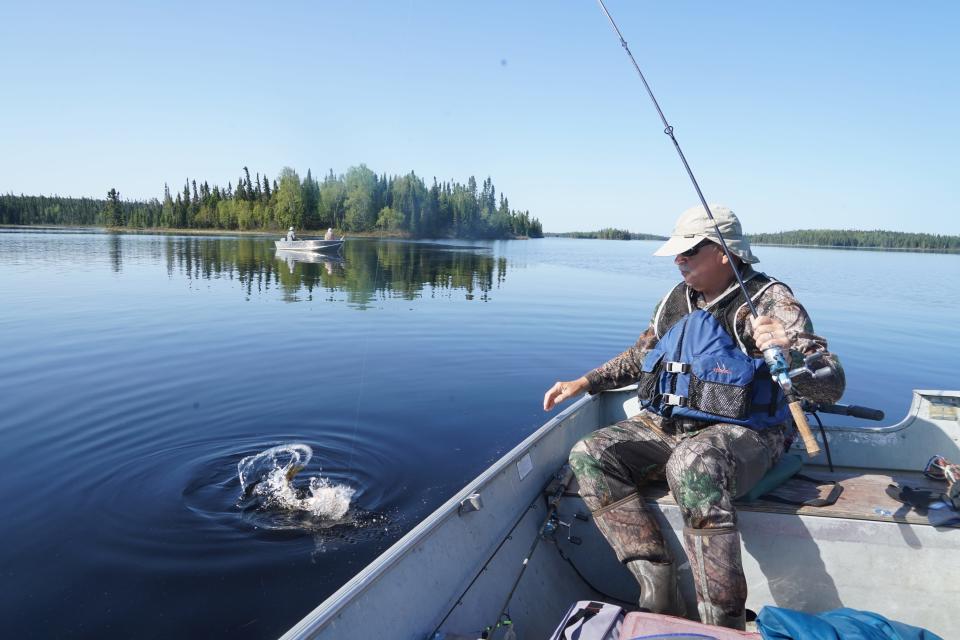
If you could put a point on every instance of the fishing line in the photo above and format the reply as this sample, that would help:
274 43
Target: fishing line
363 369
772 355
668 129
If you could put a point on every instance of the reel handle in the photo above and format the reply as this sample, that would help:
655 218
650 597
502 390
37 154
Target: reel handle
800 418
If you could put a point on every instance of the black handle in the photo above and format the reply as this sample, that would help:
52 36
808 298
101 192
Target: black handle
852 410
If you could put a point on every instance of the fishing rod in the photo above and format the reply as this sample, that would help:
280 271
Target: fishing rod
774 357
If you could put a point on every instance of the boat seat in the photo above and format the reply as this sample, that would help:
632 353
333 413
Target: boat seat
787 466
864 495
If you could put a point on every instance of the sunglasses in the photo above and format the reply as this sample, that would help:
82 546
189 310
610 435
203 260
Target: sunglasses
689 253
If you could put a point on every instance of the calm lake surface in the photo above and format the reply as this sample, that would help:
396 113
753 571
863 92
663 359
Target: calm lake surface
137 371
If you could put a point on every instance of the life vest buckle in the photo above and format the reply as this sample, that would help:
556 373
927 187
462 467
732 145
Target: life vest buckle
677 367
673 400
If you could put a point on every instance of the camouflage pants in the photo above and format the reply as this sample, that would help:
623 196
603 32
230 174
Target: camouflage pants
705 469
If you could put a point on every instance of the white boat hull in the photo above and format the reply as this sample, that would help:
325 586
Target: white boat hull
309 245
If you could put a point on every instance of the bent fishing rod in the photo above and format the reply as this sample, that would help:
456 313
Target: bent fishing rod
774 357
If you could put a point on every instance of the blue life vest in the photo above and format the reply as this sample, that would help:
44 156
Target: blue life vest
698 372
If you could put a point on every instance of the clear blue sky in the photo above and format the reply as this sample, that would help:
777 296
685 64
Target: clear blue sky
813 114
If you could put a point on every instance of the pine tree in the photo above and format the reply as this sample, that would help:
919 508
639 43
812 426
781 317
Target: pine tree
167 214
113 213
311 201
249 186
184 214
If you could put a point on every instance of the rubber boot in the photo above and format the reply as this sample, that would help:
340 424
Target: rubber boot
659 591
633 533
718 575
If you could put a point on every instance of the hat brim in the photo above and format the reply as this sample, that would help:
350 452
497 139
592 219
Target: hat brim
678 244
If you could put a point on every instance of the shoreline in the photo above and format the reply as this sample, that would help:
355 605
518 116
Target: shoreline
845 248
400 235
786 245
303 235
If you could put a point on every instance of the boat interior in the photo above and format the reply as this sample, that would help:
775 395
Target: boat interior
496 548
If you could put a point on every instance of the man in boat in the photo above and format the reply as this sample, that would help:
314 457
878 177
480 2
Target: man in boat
725 437
329 234
291 236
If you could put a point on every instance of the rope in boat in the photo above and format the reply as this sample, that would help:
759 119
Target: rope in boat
610 598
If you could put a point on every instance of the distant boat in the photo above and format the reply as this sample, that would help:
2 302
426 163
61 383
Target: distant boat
310 245
314 257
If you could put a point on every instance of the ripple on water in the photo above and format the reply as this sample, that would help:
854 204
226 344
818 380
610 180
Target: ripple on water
199 515
294 489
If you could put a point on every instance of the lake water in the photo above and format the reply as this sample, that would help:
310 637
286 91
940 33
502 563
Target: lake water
138 371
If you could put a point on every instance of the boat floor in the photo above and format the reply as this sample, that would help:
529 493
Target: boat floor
864 495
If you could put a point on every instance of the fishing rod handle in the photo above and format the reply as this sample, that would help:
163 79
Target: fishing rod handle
852 410
800 418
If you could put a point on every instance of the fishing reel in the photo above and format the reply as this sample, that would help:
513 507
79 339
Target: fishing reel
554 492
554 523
781 372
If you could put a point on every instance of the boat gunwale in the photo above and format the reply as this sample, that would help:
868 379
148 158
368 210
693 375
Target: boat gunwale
326 610
913 412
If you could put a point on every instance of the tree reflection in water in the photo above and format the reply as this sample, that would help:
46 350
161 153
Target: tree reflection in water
365 269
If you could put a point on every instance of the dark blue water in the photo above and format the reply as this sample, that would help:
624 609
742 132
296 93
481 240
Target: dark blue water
137 371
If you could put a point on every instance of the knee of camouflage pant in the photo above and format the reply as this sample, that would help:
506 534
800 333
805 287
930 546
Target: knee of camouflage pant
698 474
580 457
594 488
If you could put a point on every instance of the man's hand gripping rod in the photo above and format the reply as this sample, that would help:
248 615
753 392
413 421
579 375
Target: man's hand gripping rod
774 357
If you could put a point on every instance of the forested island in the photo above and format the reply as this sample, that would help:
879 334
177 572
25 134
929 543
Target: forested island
825 238
358 201
855 239
607 234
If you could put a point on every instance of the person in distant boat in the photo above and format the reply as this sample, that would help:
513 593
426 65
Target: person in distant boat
329 234
291 236
716 442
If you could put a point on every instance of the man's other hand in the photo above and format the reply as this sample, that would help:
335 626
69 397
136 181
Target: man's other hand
563 391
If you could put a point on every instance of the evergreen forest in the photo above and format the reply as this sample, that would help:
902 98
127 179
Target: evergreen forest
357 201
854 239
827 238
608 234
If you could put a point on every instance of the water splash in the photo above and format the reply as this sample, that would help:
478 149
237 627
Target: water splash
268 477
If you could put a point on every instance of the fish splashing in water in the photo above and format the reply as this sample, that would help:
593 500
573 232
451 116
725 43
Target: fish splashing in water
268 476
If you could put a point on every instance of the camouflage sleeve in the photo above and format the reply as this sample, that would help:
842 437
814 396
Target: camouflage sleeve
777 302
625 368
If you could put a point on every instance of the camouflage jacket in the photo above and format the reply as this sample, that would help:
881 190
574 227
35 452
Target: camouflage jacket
778 302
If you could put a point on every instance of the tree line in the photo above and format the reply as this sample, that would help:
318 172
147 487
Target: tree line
608 233
856 239
827 238
359 200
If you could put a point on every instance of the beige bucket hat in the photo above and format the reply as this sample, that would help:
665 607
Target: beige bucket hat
693 226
